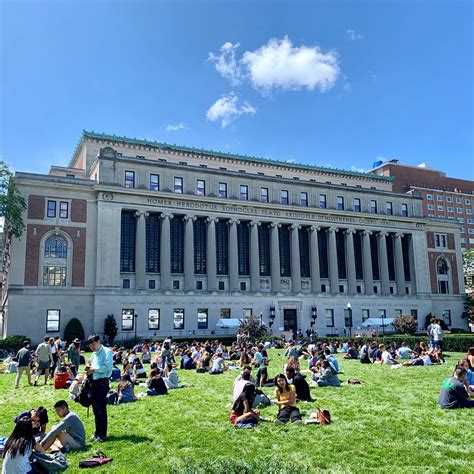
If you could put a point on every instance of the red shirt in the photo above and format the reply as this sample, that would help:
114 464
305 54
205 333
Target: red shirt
233 417
60 380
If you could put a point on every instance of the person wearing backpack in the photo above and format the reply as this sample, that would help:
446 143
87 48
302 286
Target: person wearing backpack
99 372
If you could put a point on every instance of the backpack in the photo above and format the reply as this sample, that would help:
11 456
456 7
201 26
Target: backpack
324 417
42 463
85 394
98 460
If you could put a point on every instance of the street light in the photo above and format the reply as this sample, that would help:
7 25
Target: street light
349 309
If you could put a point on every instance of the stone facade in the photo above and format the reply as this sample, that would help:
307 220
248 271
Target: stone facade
329 238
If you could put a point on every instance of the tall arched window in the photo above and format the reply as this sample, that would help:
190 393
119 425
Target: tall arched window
442 276
55 261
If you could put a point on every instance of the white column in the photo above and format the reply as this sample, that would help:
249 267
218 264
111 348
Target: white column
399 267
211 260
140 251
275 257
165 252
189 280
332 254
367 262
383 263
295 259
254 257
233 255
314 253
350 262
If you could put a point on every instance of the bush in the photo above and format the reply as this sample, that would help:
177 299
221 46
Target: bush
13 343
252 325
110 328
73 330
405 324
460 331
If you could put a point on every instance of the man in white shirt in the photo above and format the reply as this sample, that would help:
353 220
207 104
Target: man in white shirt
45 359
437 332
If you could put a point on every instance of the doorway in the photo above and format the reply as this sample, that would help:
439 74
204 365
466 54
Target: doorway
289 320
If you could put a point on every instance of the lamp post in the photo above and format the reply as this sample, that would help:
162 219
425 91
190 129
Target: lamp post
272 316
136 320
349 309
382 314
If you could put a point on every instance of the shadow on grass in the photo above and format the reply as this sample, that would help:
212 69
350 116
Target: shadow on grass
133 438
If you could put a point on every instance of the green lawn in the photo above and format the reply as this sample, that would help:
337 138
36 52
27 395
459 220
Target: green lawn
390 423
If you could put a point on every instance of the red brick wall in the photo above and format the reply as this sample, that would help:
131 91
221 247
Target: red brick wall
450 238
451 258
430 240
35 207
33 248
79 210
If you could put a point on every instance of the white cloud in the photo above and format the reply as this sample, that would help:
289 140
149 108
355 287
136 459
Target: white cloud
279 64
348 87
227 108
353 35
175 127
226 64
358 170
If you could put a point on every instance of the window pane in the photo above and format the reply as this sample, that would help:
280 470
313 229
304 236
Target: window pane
225 313
178 185
264 195
127 241
153 319
202 319
63 210
244 192
51 208
178 318
201 187
127 319
284 196
129 179
154 182
322 201
52 320
223 190
304 199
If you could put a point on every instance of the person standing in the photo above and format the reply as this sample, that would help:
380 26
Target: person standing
99 371
23 357
45 359
438 335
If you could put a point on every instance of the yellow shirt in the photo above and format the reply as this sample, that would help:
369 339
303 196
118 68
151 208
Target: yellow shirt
285 395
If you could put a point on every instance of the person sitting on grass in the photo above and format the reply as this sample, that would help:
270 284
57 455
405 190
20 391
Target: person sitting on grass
242 414
69 433
218 365
146 355
351 352
187 362
262 375
127 367
425 359
301 386
171 377
75 387
39 418
470 357
404 352
156 384
469 380
285 395
331 359
453 392
387 358
19 448
63 377
139 371
125 392
327 376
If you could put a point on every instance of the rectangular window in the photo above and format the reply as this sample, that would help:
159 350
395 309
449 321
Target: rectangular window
447 317
430 207
322 201
382 314
178 185
126 283
177 244
347 318
154 319
388 208
127 319
458 200
439 197
450 209
63 210
222 248
284 196
398 312
243 286
201 187
440 240
223 190
373 206
54 276
129 179
221 286
154 182
51 209
365 315
459 210
468 211
52 320
178 318
429 197
467 201
441 208
340 203
244 192
414 313
404 210
202 319
247 312
263 194
329 318
225 313
151 284
304 199
127 241
449 199
357 205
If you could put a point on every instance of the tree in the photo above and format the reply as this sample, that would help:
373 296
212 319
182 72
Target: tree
110 327
12 204
468 268
405 324
252 325
469 308
73 330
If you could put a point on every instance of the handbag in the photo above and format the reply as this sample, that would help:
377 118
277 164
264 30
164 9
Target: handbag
323 417
85 394
43 463
99 460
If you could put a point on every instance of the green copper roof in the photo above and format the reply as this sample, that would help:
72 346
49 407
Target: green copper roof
250 159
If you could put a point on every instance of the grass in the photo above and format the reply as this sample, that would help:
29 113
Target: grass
391 422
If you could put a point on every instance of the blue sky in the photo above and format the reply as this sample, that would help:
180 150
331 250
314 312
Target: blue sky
324 82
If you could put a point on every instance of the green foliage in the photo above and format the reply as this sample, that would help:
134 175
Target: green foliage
12 343
12 204
110 327
188 431
252 325
405 324
73 330
469 308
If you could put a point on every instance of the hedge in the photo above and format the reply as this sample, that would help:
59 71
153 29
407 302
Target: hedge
12 343
451 342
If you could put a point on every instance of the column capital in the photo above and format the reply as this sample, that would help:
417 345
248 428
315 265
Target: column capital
366 232
398 235
349 231
166 215
332 229
315 228
382 234
212 219
257 223
189 218
275 224
142 213
295 226
233 221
